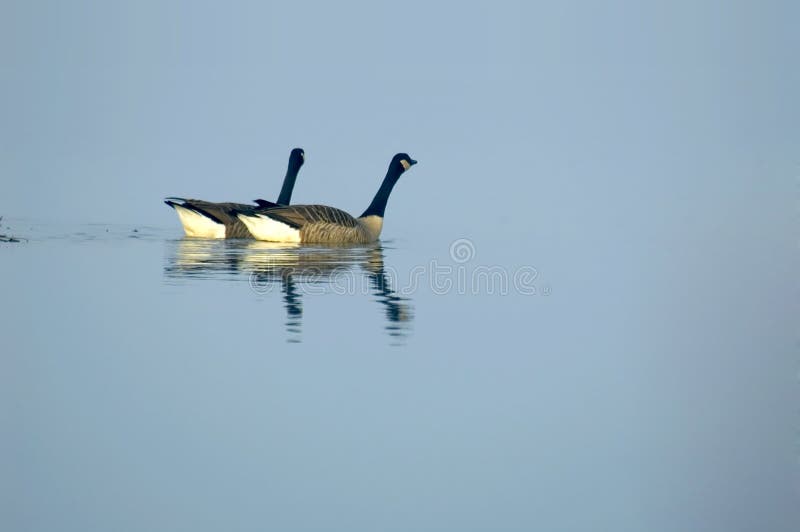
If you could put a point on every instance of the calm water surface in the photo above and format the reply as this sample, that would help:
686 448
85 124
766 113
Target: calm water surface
153 382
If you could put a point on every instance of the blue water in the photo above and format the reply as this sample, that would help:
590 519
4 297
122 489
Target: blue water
154 382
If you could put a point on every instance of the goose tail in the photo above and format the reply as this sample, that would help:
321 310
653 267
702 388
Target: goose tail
196 221
172 201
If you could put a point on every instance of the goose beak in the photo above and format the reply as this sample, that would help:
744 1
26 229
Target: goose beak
412 162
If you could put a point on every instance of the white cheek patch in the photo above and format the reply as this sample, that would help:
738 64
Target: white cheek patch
265 228
406 164
197 225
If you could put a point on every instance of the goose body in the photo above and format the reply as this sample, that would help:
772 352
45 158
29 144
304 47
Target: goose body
318 224
208 219
323 224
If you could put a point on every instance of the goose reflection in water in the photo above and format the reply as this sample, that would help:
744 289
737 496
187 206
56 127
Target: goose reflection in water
297 271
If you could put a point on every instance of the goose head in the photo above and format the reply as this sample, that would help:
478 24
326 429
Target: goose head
296 158
402 162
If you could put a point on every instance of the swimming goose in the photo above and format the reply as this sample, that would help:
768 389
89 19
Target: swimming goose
323 224
215 220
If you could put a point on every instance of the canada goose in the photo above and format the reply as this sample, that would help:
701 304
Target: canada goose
215 220
323 224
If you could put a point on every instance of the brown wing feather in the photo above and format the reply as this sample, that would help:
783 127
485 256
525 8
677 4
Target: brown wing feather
298 216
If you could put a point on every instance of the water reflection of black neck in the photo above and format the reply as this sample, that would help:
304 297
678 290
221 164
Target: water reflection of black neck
398 312
293 302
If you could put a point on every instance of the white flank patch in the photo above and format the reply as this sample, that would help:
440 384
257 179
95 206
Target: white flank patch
265 228
195 224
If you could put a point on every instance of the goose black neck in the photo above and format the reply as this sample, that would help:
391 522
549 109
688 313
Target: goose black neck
378 205
285 196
